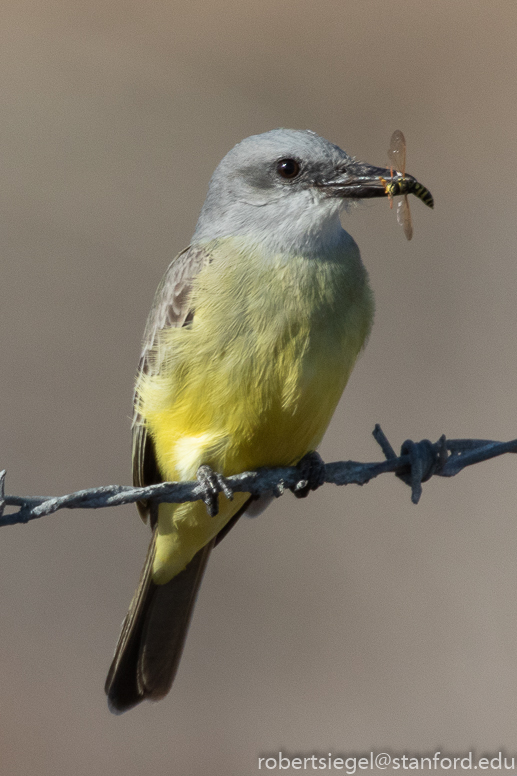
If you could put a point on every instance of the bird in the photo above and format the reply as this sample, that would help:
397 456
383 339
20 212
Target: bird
250 341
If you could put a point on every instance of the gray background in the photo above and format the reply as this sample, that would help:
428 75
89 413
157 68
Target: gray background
351 620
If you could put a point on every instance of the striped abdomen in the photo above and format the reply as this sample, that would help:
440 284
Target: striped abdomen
409 185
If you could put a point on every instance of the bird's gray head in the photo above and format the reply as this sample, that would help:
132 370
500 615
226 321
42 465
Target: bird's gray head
285 188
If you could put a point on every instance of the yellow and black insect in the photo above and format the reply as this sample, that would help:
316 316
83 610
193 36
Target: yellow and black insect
402 184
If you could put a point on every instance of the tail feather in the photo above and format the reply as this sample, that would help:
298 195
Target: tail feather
153 634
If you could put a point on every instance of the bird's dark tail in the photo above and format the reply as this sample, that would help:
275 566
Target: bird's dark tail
153 634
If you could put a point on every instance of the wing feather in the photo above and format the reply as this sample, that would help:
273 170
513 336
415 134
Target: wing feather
171 309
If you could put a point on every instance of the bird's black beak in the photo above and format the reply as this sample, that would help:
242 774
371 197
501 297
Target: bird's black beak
359 180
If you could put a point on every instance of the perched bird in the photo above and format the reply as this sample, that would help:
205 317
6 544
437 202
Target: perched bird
253 333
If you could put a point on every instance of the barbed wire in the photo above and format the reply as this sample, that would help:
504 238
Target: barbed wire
417 463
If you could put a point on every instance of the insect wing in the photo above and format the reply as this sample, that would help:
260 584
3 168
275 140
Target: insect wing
397 152
404 216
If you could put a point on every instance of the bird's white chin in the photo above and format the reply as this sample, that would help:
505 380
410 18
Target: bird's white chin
313 231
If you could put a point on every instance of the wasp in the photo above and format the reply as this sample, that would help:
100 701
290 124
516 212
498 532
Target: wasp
402 184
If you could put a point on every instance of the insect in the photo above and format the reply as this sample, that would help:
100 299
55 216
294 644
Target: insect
402 184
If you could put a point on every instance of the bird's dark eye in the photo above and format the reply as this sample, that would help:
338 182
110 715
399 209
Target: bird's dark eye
288 168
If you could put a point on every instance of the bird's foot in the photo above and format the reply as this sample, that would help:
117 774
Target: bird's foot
312 471
211 484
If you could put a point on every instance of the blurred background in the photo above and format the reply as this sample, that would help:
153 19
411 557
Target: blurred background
349 621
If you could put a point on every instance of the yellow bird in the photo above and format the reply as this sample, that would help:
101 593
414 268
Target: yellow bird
251 339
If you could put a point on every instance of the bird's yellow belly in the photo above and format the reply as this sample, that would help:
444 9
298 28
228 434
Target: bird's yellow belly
240 421
258 389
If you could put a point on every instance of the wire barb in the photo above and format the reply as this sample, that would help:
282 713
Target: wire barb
2 491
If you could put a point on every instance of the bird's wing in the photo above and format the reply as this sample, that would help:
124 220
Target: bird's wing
171 309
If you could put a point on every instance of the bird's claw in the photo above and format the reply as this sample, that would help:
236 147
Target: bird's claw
211 484
312 471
